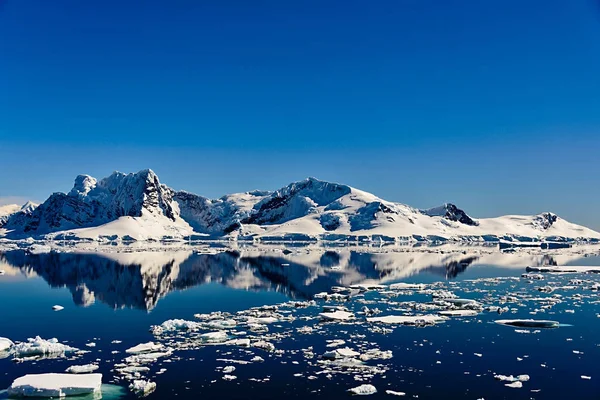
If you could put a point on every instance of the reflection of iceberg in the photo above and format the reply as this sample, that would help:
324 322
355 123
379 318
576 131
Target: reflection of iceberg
140 279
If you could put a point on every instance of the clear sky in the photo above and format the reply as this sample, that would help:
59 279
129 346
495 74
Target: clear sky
492 105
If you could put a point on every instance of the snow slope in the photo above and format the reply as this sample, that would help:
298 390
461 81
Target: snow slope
137 206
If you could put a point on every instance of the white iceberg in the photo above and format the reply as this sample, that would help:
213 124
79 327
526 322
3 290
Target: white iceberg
144 348
407 319
55 385
5 344
336 316
363 390
82 369
38 346
142 387
458 313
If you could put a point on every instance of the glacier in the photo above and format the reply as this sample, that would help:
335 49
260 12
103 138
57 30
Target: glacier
138 207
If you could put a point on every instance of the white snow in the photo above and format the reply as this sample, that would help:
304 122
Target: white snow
137 206
55 385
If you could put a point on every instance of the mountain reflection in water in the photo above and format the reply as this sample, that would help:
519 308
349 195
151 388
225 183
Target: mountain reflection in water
140 279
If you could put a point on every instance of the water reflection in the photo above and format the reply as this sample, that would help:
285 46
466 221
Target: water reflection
140 279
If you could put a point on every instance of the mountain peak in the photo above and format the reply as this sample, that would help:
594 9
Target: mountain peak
450 212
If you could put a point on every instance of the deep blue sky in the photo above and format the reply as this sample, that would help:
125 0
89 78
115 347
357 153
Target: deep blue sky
493 105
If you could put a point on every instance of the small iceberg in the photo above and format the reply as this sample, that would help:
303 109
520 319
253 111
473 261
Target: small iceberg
363 390
38 346
144 348
55 385
82 369
57 307
407 319
5 344
529 323
142 387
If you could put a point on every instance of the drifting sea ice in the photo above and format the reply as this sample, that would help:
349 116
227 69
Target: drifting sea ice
363 390
82 369
144 348
55 385
142 387
5 344
38 346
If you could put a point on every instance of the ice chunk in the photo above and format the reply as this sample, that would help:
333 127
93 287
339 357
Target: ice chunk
55 385
407 286
529 323
261 344
458 313
515 384
144 348
407 319
228 369
215 337
82 369
142 387
5 344
39 346
57 307
336 316
345 352
363 390
395 393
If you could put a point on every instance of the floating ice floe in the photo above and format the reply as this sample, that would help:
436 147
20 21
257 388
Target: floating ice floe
57 308
458 313
261 344
341 353
363 390
393 393
82 369
337 315
515 385
215 337
145 348
529 323
55 385
407 319
407 286
175 325
511 378
38 346
142 387
228 369
5 344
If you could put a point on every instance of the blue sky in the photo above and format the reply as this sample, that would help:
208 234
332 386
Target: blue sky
493 105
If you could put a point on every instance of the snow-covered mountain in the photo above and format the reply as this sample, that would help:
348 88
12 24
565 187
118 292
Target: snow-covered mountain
137 206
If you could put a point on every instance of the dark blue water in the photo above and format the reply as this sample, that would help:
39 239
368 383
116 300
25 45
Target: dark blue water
108 300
